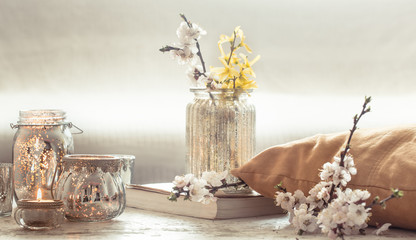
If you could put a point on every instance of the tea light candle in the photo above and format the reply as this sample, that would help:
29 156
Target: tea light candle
39 214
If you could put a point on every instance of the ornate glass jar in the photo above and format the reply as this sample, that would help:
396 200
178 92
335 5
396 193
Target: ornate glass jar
91 187
220 130
42 139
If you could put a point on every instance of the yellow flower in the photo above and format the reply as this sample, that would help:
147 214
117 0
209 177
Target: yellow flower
246 66
247 85
226 72
244 82
243 44
239 33
241 82
228 76
224 38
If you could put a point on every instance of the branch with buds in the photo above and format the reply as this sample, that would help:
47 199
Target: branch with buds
344 153
331 207
202 189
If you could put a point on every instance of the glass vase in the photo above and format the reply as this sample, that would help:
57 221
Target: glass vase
220 130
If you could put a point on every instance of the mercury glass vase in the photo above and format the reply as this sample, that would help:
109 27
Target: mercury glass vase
220 130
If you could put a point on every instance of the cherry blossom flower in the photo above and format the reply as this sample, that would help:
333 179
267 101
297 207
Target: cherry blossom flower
304 220
299 197
185 55
213 178
201 189
349 164
182 181
285 200
195 73
357 213
188 35
197 190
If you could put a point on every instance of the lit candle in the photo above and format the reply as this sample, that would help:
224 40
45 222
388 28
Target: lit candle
39 214
39 198
39 195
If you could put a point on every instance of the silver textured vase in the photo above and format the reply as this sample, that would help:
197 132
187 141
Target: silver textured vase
220 130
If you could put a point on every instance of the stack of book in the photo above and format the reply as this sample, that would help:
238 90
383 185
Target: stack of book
154 197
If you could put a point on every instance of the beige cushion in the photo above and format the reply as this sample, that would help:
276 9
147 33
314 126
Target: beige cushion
385 159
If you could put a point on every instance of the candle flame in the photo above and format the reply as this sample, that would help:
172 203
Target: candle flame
39 197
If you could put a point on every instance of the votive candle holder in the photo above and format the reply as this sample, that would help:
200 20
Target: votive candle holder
39 214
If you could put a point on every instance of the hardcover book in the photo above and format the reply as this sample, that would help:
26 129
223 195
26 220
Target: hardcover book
154 197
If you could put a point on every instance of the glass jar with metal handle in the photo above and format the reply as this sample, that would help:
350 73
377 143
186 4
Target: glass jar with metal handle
43 137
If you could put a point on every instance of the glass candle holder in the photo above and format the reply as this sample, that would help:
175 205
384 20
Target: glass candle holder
91 187
43 137
39 215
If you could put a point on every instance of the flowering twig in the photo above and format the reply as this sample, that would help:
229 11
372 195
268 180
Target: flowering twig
199 53
201 189
186 20
232 47
330 206
396 194
213 190
357 118
364 110
177 192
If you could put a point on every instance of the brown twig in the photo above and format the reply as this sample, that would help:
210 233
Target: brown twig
232 48
176 193
186 20
347 147
226 185
396 194
354 127
199 53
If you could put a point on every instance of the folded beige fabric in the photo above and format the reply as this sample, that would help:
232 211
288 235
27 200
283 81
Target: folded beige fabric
385 159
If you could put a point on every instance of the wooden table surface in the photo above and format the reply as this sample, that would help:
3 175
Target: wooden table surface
141 224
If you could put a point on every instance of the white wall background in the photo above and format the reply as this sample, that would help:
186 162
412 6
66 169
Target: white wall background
99 61
306 46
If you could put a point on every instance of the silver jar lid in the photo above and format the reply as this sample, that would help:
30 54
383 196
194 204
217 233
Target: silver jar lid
41 116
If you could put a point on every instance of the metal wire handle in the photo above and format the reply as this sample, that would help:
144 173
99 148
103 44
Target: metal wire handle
70 125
